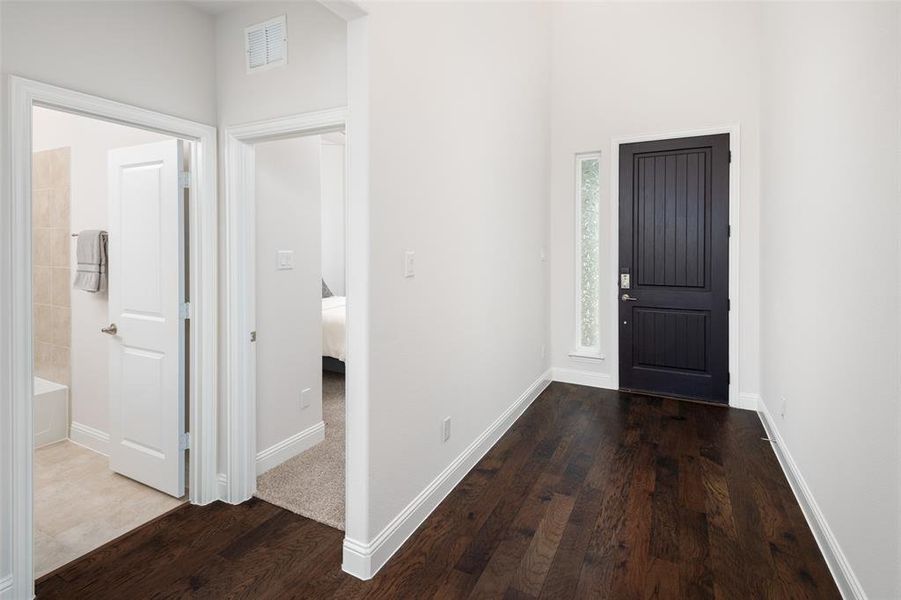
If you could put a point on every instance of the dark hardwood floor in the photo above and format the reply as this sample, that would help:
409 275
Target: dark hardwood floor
591 494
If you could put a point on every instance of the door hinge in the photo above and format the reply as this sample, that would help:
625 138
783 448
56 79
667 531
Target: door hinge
253 336
728 230
184 310
728 304
184 179
728 377
184 441
730 156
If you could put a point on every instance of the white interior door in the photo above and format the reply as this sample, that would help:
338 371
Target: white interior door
146 291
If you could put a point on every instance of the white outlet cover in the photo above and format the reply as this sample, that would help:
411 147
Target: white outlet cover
305 397
409 264
446 429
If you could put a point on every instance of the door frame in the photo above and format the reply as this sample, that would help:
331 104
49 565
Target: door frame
239 418
734 130
240 475
16 424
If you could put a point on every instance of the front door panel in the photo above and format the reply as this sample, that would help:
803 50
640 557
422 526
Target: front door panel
674 247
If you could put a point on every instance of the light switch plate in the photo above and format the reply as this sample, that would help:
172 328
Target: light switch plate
284 260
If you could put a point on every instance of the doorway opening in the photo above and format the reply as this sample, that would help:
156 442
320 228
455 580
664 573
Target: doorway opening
674 267
109 283
245 145
300 346
200 240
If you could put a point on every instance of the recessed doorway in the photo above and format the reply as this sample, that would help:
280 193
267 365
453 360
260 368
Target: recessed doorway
673 275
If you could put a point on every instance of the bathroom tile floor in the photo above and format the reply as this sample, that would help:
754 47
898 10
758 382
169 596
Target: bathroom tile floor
79 504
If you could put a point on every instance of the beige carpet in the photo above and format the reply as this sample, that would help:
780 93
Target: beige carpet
312 484
79 504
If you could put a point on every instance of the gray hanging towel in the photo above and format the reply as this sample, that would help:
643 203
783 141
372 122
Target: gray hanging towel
91 255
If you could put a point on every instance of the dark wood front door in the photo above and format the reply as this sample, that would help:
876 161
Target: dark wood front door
674 267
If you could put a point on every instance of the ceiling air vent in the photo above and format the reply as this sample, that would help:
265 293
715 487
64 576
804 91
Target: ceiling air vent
267 44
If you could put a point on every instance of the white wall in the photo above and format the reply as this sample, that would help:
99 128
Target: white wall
314 78
333 223
288 302
830 267
459 138
621 69
90 141
156 55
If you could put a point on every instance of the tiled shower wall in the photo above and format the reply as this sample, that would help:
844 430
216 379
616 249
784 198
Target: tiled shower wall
52 276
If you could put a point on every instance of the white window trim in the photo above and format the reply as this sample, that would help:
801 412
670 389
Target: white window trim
579 351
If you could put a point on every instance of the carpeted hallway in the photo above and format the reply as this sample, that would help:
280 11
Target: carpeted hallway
312 484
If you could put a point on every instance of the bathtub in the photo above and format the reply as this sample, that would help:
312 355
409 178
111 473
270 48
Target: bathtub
51 412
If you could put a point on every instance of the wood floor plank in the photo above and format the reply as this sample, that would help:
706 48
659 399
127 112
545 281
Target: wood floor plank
592 494
533 568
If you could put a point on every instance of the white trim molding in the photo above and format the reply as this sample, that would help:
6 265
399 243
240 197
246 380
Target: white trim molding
747 401
240 358
6 587
734 131
363 560
240 305
16 431
290 447
838 563
89 437
583 377
222 486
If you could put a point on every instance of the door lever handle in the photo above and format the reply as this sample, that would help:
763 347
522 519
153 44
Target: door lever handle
111 330
628 298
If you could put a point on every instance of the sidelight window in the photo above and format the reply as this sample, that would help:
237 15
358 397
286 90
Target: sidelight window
588 225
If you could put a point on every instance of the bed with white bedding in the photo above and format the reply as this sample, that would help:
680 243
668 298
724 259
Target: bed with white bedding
334 339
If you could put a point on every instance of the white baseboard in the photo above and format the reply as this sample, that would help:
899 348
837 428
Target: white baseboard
288 448
746 401
363 560
90 438
6 587
844 576
580 377
605 381
222 486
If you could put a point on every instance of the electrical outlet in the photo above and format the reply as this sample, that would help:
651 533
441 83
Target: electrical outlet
305 397
445 429
409 264
782 407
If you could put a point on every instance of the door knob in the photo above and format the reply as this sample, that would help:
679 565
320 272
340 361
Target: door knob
628 298
111 330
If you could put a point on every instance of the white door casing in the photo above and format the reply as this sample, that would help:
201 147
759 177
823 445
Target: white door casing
146 291
16 374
